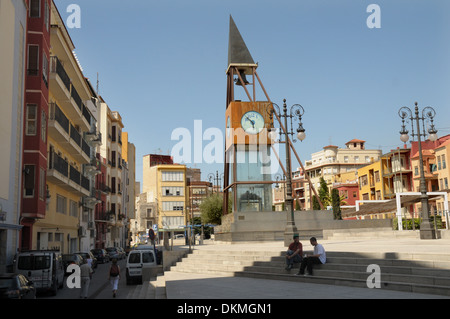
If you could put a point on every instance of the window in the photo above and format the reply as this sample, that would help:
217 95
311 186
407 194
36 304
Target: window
43 127
35 8
29 177
377 176
33 60
147 257
61 204
172 206
172 191
113 133
45 69
363 180
172 176
46 15
42 187
73 209
31 119
444 165
172 222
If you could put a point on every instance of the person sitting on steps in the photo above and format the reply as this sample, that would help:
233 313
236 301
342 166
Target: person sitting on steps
294 253
319 257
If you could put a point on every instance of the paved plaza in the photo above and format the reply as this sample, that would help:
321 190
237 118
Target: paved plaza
210 286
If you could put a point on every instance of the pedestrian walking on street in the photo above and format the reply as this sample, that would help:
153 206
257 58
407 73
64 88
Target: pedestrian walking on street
85 276
114 276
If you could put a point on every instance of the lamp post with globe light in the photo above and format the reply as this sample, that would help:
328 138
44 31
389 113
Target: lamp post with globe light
296 112
428 113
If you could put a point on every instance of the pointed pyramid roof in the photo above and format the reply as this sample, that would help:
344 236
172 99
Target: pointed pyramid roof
238 52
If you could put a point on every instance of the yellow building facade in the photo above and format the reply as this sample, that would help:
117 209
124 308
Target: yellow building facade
166 185
371 181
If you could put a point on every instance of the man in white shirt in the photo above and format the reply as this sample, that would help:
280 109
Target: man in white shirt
319 257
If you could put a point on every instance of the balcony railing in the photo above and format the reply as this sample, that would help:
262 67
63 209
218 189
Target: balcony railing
57 67
57 115
59 164
74 175
76 97
74 135
85 148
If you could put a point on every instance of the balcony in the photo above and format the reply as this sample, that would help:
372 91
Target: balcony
93 138
78 147
63 90
91 200
58 124
66 176
91 169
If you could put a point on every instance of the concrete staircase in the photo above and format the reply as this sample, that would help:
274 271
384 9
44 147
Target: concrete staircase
153 289
418 272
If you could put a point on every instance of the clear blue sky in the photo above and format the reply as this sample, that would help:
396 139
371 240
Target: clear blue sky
162 65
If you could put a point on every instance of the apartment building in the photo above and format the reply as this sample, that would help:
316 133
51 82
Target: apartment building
128 178
166 183
69 157
442 172
36 113
110 126
333 161
13 48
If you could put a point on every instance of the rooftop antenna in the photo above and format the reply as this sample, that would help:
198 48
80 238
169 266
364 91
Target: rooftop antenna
97 83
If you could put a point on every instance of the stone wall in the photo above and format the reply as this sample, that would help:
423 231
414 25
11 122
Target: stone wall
269 226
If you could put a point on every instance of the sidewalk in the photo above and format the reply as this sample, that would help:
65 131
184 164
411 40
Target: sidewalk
203 286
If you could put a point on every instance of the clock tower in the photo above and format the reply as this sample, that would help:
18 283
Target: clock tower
247 170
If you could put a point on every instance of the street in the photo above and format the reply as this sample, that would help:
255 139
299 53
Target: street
99 288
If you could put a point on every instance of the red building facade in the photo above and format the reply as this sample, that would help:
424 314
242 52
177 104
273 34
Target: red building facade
36 111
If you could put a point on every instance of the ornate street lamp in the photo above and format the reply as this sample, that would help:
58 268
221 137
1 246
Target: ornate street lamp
428 113
296 112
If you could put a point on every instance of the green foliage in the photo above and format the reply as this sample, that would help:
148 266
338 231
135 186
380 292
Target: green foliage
324 196
211 209
336 203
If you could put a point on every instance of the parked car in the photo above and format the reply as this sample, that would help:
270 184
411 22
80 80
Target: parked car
16 286
71 259
44 268
87 255
136 262
101 255
114 253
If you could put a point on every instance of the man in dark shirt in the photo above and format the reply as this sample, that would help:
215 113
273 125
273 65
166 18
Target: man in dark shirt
294 253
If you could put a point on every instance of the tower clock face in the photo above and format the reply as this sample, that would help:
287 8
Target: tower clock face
252 122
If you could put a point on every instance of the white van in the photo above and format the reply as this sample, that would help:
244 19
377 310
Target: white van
43 267
137 261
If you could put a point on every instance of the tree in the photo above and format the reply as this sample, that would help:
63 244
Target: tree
324 195
336 203
211 209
